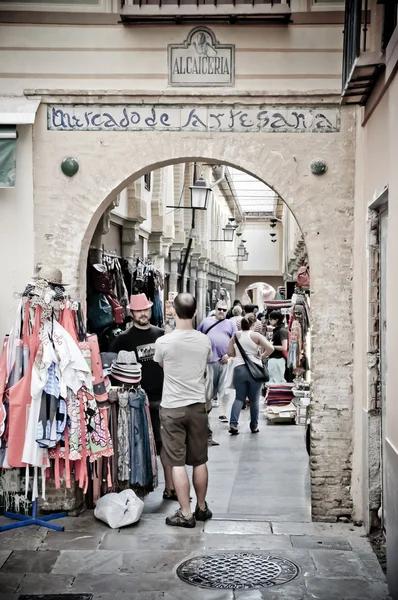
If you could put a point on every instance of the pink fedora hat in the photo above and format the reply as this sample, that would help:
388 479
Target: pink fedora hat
140 302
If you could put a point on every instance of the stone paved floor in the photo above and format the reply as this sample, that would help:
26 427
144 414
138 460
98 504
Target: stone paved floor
259 493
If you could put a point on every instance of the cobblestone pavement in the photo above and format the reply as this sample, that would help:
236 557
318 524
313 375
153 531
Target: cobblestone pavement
259 493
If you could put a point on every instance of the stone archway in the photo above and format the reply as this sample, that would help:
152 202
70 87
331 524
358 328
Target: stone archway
67 212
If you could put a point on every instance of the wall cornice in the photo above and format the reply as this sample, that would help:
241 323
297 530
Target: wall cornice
195 97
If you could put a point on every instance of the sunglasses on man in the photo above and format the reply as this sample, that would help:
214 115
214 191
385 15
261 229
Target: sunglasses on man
222 309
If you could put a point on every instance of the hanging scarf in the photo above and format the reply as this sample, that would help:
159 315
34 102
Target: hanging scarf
140 448
123 437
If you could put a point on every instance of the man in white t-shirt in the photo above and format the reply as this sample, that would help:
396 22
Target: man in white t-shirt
183 354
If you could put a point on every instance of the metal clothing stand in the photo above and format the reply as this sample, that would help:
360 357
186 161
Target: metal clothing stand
26 520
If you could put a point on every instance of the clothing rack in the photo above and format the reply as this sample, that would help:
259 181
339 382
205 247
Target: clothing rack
26 520
110 253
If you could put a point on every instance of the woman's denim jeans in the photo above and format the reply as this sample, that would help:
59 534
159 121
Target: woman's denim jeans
246 387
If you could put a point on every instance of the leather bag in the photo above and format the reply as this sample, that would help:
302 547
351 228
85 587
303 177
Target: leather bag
303 276
119 314
99 311
259 373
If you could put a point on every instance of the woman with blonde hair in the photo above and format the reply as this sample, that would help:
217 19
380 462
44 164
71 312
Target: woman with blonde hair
256 347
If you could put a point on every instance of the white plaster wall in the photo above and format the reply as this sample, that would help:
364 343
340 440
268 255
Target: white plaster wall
299 58
380 157
122 209
169 201
17 231
265 258
146 195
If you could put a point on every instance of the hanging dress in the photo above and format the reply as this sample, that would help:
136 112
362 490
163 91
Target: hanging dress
19 395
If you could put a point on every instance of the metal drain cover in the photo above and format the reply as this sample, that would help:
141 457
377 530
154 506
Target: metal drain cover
237 571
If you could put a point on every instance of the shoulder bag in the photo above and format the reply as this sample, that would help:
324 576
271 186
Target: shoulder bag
211 327
259 373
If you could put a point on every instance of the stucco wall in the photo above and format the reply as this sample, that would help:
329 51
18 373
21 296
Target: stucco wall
265 257
298 57
380 156
378 169
16 231
323 207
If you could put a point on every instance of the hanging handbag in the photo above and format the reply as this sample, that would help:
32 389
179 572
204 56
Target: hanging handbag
101 278
303 276
99 311
119 314
259 373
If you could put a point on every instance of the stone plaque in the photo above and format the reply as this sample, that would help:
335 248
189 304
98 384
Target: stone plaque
201 60
201 118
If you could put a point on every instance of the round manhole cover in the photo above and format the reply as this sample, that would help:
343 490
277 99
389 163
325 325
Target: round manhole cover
237 571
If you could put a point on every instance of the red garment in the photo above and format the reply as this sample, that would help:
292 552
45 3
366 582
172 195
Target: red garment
3 381
68 322
19 394
100 393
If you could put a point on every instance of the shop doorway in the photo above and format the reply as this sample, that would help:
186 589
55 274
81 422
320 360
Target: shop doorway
155 234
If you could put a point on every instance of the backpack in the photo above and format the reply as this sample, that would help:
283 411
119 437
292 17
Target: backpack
99 311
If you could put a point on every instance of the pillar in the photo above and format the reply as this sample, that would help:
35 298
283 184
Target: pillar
175 260
193 273
202 288
184 283
130 234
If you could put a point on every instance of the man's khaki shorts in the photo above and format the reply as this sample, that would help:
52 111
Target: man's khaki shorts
184 435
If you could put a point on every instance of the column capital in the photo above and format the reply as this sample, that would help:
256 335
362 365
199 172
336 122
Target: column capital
130 232
195 256
203 265
175 251
155 244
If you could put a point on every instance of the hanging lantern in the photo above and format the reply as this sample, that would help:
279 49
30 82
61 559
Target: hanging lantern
199 194
228 231
241 249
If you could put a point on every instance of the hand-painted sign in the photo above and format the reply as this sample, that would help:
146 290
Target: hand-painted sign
201 60
155 117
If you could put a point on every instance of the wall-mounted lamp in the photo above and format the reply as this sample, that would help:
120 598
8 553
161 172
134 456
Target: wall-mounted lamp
241 249
228 233
199 194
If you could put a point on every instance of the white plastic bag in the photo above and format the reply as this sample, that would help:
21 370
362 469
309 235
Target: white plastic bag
230 374
119 510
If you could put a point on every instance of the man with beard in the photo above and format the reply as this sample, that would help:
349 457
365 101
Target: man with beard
141 338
